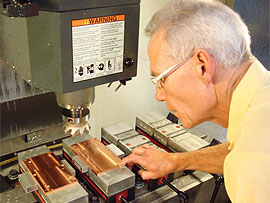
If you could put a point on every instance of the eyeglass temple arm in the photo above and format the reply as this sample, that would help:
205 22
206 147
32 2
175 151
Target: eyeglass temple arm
165 73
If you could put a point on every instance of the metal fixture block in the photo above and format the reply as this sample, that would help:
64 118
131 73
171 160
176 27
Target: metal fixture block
128 144
151 121
28 183
118 152
186 142
116 132
163 134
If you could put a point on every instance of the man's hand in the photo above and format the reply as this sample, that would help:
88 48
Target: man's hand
159 164
156 162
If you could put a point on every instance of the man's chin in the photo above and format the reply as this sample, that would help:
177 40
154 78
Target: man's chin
185 122
188 125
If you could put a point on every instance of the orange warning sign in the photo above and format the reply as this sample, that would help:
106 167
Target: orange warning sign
98 20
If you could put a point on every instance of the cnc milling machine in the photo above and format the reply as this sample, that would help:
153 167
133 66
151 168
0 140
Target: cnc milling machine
53 54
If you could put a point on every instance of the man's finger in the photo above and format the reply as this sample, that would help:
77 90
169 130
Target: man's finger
147 174
138 150
146 146
123 162
129 165
133 158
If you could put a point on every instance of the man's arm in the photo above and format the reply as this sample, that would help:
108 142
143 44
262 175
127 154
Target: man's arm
159 164
210 159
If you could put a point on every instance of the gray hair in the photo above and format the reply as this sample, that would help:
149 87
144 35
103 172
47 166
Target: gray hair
206 24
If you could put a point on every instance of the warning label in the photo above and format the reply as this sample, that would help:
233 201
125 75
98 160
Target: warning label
98 46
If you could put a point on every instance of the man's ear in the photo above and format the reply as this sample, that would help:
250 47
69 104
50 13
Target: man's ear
205 67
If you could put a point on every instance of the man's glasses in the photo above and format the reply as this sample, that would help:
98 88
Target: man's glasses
159 80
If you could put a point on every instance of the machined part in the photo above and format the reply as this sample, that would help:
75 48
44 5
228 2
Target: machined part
97 157
54 180
48 172
111 182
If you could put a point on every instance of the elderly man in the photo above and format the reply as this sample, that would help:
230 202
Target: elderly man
202 66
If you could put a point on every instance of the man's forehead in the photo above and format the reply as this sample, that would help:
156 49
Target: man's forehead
156 44
159 59
156 53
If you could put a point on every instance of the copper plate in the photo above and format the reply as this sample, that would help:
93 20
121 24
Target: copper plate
49 172
96 156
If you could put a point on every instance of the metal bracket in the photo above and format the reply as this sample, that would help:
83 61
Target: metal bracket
80 164
69 167
27 182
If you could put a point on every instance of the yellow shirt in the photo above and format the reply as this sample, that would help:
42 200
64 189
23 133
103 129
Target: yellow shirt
247 166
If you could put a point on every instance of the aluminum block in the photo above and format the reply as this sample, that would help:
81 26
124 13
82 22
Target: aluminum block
150 121
28 183
163 134
118 152
74 193
116 132
128 145
186 142
114 181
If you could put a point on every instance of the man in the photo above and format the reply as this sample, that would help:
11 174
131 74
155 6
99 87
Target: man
202 66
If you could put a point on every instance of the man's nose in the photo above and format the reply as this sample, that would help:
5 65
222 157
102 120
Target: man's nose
160 94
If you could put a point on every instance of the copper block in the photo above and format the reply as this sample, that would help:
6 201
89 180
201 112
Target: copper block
96 156
49 172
